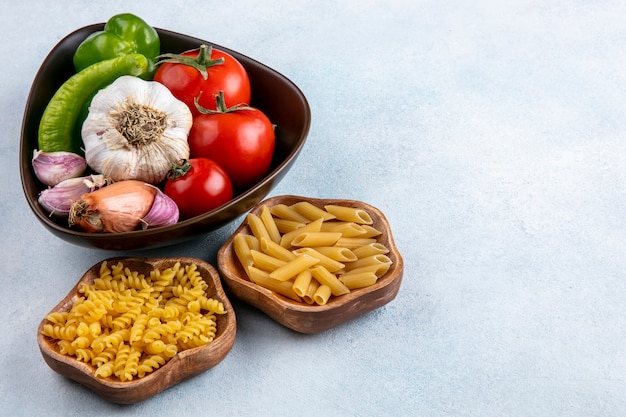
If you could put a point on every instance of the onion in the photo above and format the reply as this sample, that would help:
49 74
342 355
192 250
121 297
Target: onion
120 207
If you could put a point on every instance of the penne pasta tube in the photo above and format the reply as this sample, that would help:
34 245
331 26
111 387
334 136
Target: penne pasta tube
255 274
360 280
316 239
263 279
337 253
311 211
283 211
242 251
253 242
293 268
274 249
354 242
370 249
349 214
328 263
324 277
369 260
286 226
266 262
378 269
313 226
270 225
322 294
257 227
347 229
310 291
370 231
301 283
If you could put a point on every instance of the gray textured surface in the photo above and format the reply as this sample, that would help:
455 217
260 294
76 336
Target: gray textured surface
491 134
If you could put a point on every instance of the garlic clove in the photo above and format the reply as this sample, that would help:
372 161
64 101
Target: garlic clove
57 200
53 167
164 212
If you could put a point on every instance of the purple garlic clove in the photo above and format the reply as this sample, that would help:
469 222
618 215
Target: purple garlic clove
57 200
53 167
164 212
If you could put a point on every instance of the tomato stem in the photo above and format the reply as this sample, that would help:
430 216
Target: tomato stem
179 169
220 105
201 62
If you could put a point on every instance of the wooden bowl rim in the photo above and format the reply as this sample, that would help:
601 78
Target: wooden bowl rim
226 330
394 272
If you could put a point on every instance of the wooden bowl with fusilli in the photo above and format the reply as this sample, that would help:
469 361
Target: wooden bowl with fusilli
133 327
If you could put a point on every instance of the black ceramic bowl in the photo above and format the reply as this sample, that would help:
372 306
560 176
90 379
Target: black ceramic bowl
279 98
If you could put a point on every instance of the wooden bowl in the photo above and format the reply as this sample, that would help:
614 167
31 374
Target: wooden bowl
183 365
279 98
300 316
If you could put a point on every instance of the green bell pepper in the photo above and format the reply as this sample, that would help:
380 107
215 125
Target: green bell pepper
123 34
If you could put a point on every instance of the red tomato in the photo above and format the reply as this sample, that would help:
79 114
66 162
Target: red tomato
201 187
181 75
240 139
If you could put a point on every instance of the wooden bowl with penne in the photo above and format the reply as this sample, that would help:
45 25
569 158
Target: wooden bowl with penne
133 327
312 264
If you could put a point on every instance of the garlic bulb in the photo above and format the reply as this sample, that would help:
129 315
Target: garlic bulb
136 129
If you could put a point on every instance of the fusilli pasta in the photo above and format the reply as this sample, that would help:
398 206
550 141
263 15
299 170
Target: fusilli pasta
127 324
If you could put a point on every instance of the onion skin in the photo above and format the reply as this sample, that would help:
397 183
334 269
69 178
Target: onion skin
119 207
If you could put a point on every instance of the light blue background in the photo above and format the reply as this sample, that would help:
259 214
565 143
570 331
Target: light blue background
491 134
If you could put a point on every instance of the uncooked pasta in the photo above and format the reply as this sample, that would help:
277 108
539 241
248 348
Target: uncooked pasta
126 325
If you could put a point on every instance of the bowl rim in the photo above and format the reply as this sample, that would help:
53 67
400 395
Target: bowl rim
243 198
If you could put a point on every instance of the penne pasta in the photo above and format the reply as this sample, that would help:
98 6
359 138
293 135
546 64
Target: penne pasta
242 251
322 294
354 242
270 225
263 279
337 253
324 277
283 211
378 269
347 229
301 283
286 226
311 211
253 242
257 227
328 263
310 291
313 226
349 214
315 239
370 249
265 261
360 280
274 249
370 231
310 254
293 268
369 260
